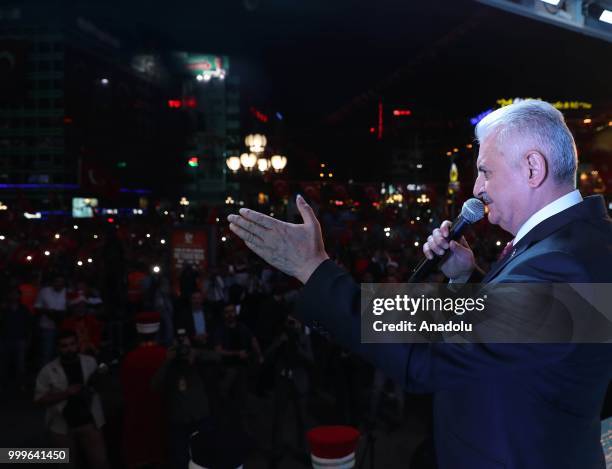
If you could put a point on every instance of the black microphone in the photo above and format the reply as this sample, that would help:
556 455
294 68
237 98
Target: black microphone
472 211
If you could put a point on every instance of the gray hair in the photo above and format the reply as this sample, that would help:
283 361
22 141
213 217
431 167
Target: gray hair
540 124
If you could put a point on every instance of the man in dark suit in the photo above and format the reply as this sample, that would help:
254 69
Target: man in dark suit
197 321
496 405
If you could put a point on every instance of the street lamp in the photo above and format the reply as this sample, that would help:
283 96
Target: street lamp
256 143
263 164
233 163
248 161
278 162
255 157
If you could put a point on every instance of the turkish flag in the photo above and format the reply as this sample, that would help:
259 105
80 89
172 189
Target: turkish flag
12 70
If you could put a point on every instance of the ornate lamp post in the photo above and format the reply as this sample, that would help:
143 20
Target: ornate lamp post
255 157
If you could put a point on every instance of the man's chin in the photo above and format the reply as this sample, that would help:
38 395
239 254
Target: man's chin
493 218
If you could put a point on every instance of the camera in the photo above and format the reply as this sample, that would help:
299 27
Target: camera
183 347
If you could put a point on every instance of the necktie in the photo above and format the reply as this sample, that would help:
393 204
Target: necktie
506 251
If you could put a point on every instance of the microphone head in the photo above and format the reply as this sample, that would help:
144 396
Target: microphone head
473 210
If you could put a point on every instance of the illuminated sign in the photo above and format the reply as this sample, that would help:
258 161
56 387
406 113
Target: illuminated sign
204 66
84 207
260 116
572 105
185 102
561 105
557 104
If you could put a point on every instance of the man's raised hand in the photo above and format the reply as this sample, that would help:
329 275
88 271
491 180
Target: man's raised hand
295 249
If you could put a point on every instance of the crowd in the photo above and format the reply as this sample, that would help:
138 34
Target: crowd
82 308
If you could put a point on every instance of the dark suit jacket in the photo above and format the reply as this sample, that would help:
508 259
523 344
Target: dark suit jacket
184 320
516 406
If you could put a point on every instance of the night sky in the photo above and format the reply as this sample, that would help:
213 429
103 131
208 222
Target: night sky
320 62
310 58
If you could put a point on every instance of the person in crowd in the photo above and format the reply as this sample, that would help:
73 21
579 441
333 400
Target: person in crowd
182 383
293 362
73 416
15 334
188 281
29 291
51 307
143 430
379 383
86 326
163 303
136 279
114 288
214 289
234 342
197 320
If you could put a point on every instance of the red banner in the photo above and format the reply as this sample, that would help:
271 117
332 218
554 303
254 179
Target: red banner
188 247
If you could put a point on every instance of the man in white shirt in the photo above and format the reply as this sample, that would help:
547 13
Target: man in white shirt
73 409
516 406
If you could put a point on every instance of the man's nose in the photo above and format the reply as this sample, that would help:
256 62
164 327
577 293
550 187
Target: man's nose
478 189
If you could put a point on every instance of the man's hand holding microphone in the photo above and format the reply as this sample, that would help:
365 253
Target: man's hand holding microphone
459 262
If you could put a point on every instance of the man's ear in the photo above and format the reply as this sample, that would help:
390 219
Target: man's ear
536 168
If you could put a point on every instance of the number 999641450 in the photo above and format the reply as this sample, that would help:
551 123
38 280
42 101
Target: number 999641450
34 455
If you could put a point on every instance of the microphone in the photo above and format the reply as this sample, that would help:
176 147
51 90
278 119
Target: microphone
472 211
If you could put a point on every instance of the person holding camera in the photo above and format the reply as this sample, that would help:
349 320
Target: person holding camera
293 363
74 416
234 342
181 382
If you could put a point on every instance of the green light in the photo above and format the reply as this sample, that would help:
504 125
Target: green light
122 164
194 162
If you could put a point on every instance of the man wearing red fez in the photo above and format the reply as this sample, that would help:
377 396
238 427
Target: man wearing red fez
143 423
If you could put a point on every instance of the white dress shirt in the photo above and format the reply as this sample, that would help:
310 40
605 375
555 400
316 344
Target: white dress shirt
562 203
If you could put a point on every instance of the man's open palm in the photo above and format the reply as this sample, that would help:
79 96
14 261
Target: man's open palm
296 250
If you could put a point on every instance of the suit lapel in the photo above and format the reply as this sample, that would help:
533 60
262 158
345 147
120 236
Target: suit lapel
499 265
